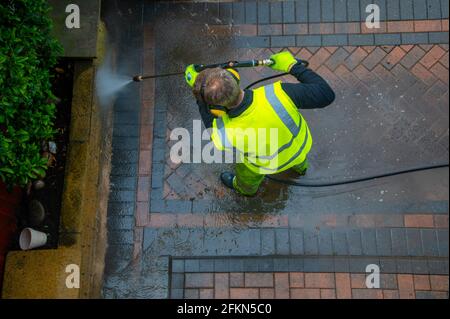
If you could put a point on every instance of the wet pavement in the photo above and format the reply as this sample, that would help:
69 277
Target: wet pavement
168 222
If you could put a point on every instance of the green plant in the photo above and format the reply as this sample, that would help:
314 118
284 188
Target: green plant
27 53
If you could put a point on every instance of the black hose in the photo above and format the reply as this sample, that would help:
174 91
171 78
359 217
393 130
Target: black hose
357 180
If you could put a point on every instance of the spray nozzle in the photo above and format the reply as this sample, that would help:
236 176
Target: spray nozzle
137 78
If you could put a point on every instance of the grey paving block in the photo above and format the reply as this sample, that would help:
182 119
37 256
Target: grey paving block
442 237
226 12
444 9
177 281
222 264
295 264
301 11
388 265
206 265
384 246
125 143
282 241
179 206
431 295
123 182
124 157
414 242
438 267
393 10
434 9
359 265
311 242
361 39
288 11
340 245
178 265
211 12
122 196
415 38
121 209
120 237
177 293
276 12
265 265
237 265
380 3
353 11
157 206
323 264
342 264
254 241
238 12
121 222
388 39
118 257
250 265
296 241
131 118
191 265
420 9
340 10
309 40
354 242
406 10
403 266
280 264
282 41
399 246
429 242
419 266
314 12
369 242
267 241
327 10
126 130
325 242
251 12
263 12
334 40
252 42
438 37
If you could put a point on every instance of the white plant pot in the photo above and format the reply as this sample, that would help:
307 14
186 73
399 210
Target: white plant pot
30 238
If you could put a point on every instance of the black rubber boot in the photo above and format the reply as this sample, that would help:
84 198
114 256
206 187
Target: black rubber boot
227 179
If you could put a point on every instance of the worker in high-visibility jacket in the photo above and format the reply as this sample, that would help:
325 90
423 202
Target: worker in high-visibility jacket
263 127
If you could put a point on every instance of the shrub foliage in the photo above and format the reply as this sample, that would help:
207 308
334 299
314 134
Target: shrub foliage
27 53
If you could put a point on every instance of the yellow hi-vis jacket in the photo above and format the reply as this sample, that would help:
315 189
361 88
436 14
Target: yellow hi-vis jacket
270 136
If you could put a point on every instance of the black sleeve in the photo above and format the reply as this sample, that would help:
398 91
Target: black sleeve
312 91
206 115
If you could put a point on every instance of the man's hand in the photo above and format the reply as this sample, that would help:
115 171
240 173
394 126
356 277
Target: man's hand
190 75
283 61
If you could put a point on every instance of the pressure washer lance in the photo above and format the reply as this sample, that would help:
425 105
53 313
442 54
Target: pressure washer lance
201 67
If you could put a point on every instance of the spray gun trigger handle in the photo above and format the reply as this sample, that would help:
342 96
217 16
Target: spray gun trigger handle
199 67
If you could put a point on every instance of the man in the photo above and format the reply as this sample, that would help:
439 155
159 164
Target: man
281 138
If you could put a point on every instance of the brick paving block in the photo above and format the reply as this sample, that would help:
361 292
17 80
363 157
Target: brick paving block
400 26
375 57
412 57
415 38
206 293
394 57
414 242
361 39
327 294
441 72
340 10
327 10
431 295
443 241
353 12
319 280
295 29
406 10
423 74
299 293
296 241
270 29
297 280
221 286
259 280
267 293
282 241
390 294
281 285
250 12
301 11
419 221
263 12
428 26
314 13
244 293
343 286
347 28
358 281
439 283
199 280
282 41
354 242
429 242
406 286
357 56
236 279
422 282
388 39
367 294
337 58
288 11
335 40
